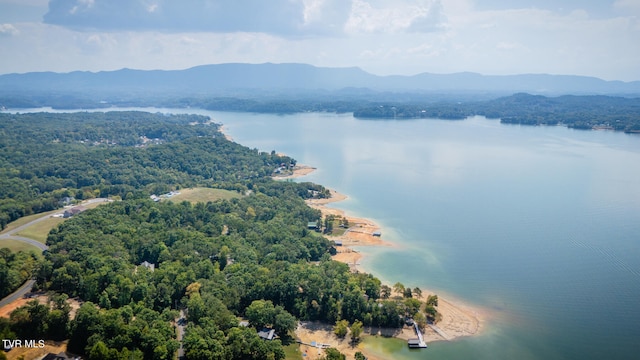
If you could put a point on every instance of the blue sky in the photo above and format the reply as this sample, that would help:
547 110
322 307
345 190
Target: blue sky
594 38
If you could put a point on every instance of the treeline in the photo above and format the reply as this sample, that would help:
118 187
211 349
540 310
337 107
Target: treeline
15 269
579 112
445 111
45 157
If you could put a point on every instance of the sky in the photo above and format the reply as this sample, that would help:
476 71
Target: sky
599 38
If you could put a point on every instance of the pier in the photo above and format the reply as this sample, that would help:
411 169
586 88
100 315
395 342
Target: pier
419 342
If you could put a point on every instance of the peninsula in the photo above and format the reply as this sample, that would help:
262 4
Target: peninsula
240 265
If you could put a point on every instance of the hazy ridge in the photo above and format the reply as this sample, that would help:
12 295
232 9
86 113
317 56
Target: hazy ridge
295 77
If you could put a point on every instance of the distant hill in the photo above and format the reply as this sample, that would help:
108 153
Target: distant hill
294 78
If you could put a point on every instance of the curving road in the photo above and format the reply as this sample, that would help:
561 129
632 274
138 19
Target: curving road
18 294
9 235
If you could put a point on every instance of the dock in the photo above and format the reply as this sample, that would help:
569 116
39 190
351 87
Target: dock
419 342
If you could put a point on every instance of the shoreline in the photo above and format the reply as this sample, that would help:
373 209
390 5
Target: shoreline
297 171
224 133
458 318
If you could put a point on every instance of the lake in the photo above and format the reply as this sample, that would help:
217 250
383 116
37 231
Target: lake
538 226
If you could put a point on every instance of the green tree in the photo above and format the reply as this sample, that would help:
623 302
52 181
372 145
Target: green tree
356 331
398 288
359 356
420 319
99 351
417 292
341 328
283 322
432 313
86 321
407 293
260 313
58 325
412 306
31 320
328 224
385 291
334 354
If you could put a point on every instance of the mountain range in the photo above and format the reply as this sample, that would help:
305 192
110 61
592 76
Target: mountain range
291 77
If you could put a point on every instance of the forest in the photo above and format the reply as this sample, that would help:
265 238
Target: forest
250 257
46 157
575 111
578 112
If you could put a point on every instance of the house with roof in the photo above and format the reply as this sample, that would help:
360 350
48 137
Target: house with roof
148 265
267 334
60 356
73 211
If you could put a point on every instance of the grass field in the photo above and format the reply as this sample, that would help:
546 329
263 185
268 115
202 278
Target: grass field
23 220
40 230
15 246
203 195
292 352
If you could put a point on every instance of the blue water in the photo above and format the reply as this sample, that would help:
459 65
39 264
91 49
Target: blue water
538 226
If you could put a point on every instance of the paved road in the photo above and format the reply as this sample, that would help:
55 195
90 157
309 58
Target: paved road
36 243
181 322
9 235
18 294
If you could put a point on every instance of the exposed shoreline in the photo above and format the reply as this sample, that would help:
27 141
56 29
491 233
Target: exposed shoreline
224 133
458 319
296 172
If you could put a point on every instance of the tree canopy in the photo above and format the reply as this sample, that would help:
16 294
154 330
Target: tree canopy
247 257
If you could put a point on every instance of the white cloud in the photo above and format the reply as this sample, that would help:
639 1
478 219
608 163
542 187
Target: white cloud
289 18
96 43
381 36
325 16
8 30
394 16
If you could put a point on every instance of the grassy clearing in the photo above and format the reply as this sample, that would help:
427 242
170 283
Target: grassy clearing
39 231
338 231
16 246
196 195
292 352
23 220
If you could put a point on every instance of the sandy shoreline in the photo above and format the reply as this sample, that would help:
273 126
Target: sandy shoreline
296 172
458 320
224 133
